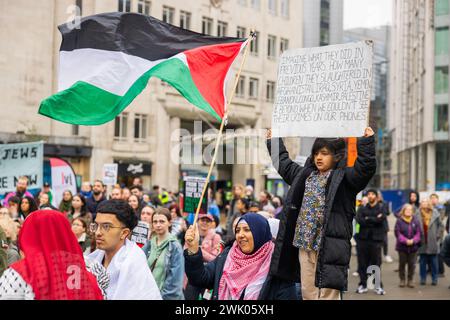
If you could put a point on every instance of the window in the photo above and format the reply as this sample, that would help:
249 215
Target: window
241 32
121 126
324 37
144 7
273 7
324 22
285 8
441 80
284 45
271 46
442 39
253 88
442 7
441 118
185 20
254 45
270 91
124 5
75 130
442 167
242 2
140 127
168 14
240 89
207 24
79 4
222 29
256 4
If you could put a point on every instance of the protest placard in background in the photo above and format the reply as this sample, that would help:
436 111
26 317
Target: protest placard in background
110 174
323 91
193 187
140 233
21 159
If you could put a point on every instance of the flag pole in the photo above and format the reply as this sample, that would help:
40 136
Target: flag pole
222 125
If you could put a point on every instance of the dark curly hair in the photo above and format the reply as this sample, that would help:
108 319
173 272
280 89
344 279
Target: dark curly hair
121 210
335 146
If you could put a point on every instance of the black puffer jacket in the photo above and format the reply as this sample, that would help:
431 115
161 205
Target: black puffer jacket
372 227
343 185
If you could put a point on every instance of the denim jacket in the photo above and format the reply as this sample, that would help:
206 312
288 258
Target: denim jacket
174 262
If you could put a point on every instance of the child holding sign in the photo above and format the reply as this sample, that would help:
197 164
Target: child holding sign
316 222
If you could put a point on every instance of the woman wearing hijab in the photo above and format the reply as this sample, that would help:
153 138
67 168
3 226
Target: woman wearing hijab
240 272
53 267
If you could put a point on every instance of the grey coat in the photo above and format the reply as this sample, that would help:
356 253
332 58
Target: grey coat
431 246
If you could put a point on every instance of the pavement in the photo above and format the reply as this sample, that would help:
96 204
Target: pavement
391 280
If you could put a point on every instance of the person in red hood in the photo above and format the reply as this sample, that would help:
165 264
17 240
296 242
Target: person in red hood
53 267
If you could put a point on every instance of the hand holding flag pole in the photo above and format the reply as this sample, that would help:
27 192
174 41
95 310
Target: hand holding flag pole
222 125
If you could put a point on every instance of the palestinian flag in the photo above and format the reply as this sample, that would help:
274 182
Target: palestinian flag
108 60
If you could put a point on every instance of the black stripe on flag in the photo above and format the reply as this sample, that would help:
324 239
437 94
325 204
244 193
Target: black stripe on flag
135 34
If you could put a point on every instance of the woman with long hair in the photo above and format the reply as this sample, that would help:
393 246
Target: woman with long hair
165 257
26 207
135 204
80 230
78 209
431 224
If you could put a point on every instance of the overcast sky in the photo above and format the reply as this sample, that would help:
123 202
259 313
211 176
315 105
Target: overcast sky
367 13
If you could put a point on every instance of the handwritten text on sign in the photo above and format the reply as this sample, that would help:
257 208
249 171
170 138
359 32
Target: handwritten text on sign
21 159
324 91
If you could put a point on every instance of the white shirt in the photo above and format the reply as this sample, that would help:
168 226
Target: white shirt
130 277
13 287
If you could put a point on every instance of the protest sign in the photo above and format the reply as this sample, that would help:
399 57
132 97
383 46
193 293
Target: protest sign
110 174
140 233
63 178
21 159
193 187
324 91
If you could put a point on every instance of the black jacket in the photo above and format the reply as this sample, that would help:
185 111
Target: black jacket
208 276
343 185
445 251
372 226
92 205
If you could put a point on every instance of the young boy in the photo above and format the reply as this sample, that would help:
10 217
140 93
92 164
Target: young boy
316 222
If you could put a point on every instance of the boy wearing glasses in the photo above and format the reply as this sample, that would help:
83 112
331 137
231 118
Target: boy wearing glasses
125 263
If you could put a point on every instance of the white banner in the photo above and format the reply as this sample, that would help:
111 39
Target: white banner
323 91
21 159
63 178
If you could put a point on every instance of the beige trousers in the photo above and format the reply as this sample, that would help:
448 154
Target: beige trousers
308 264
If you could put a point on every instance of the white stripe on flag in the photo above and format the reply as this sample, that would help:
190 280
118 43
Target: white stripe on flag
111 71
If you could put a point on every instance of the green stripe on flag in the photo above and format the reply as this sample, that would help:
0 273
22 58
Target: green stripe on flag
86 104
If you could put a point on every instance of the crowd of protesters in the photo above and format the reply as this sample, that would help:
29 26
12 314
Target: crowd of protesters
420 229
246 246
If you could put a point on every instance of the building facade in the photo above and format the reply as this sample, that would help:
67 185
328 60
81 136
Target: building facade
378 104
322 22
419 95
145 140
